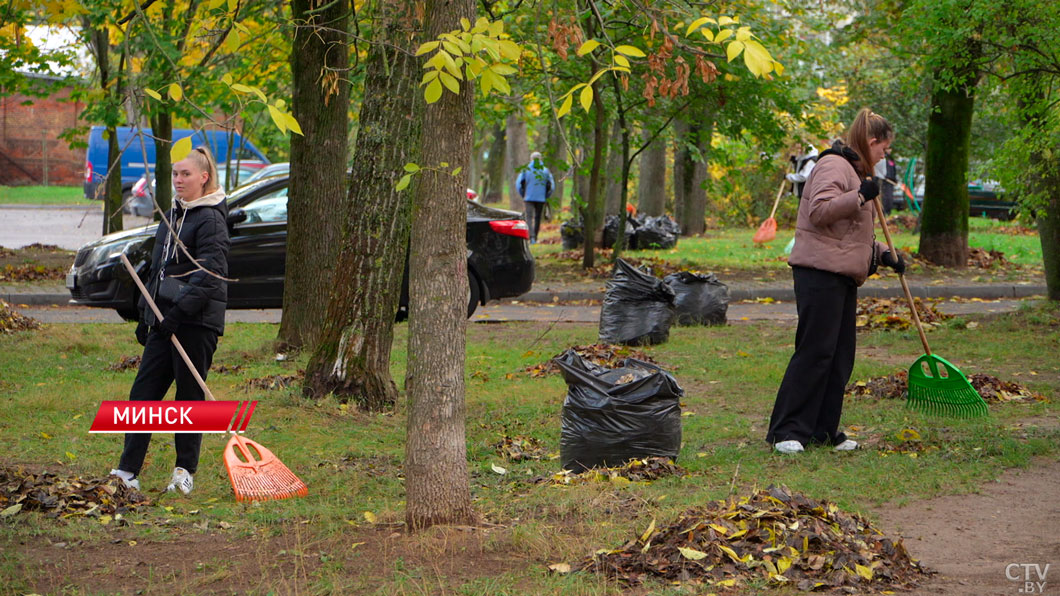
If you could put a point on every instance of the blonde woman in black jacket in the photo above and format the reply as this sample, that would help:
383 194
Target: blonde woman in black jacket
186 280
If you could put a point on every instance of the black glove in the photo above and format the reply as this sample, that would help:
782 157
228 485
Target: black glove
169 324
869 190
141 333
894 262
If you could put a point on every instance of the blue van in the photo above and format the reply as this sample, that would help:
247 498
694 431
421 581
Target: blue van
132 156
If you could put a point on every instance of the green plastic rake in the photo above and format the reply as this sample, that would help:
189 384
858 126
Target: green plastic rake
935 386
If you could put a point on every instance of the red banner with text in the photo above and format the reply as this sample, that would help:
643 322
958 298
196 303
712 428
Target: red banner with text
173 416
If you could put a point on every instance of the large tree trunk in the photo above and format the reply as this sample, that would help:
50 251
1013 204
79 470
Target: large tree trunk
651 183
516 158
690 199
944 224
493 185
556 158
592 207
112 198
352 358
318 185
162 130
437 489
613 188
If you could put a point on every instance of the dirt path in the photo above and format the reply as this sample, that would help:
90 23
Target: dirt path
974 540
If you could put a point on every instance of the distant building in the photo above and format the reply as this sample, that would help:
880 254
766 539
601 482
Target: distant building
31 151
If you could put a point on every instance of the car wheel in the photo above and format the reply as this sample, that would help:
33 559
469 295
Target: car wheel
474 294
129 314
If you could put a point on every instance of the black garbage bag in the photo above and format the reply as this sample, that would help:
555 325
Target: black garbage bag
570 233
613 415
611 223
700 299
657 233
638 308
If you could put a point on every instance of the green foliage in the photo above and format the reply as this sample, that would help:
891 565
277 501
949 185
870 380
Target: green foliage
480 53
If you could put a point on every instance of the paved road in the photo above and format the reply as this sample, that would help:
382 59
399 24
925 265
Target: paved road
739 312
66 227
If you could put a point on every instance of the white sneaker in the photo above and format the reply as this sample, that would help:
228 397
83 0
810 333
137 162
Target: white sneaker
847 445
127 478
181 481
788 447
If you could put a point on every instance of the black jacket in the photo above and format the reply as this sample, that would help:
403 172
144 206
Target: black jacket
201 297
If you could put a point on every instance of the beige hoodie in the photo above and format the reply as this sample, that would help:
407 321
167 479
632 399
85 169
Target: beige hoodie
209 200
834 231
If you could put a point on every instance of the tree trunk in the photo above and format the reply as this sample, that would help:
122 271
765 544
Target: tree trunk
352 358
556 159
162 130
478 145
112 200
623 174
437 489
613 188
493 186
690 199
651 183
517 156
592 208
318 184
944 224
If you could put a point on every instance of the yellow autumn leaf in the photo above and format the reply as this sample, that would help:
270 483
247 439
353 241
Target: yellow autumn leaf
370 517
691 553
733 50
588 47
864 572
648 532
277 118
153 94
631 51
564 108
175 92
586 97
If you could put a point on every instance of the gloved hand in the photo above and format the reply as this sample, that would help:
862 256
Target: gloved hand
894 262
869 190
790 177
141 333
169 324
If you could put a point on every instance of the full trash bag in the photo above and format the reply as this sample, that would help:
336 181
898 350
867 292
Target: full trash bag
570 233
611 416
699 299
638 308
657 233
611 224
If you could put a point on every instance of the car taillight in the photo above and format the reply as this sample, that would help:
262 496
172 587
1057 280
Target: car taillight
138 188
471 195
88 171
511 227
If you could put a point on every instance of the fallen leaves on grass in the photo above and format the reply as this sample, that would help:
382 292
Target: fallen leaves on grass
519 448
991 388
227 369
637 470
606 355
905 223
988 259
65 496
271 382
773 536
654 265
125 363
887 313
12 321
31 273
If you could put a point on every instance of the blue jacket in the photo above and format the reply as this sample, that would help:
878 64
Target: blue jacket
535 183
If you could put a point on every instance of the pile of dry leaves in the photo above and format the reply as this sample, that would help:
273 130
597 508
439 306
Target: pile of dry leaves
887 313
125 363
271 382
987 259
520 448
12 321
771 536
658 267
637 470
899 223
58 496
991 388
607 355
31 273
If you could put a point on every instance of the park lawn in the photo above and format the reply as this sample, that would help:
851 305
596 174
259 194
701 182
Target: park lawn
43 195
53 380
730 253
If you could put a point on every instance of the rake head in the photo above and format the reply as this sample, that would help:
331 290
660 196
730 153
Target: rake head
937 387
259 479
766 232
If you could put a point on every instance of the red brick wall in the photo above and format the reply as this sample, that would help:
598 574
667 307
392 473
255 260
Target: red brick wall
29 140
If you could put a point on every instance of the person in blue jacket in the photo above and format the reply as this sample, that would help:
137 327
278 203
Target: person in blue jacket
535 186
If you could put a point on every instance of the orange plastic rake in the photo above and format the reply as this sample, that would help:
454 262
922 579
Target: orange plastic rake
768 230
253 479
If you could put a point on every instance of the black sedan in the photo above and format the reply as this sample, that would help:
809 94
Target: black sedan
499 262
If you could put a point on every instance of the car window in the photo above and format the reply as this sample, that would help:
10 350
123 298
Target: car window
268 208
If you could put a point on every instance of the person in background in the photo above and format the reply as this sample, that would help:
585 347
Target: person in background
835 252
535 184
192 295
886 173
804 164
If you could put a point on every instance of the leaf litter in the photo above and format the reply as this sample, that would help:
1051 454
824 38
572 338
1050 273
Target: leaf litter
991 388
271 382
65 496
12 321
520 448
772 535
637 470
886 313
606 355
125 363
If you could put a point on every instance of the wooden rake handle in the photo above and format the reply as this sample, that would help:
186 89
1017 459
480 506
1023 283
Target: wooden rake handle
173 338
780 193
901 277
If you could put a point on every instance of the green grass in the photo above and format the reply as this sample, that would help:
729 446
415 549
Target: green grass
43 195
51 383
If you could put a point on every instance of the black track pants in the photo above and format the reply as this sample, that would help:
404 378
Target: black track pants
534 211
160 366
810 400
